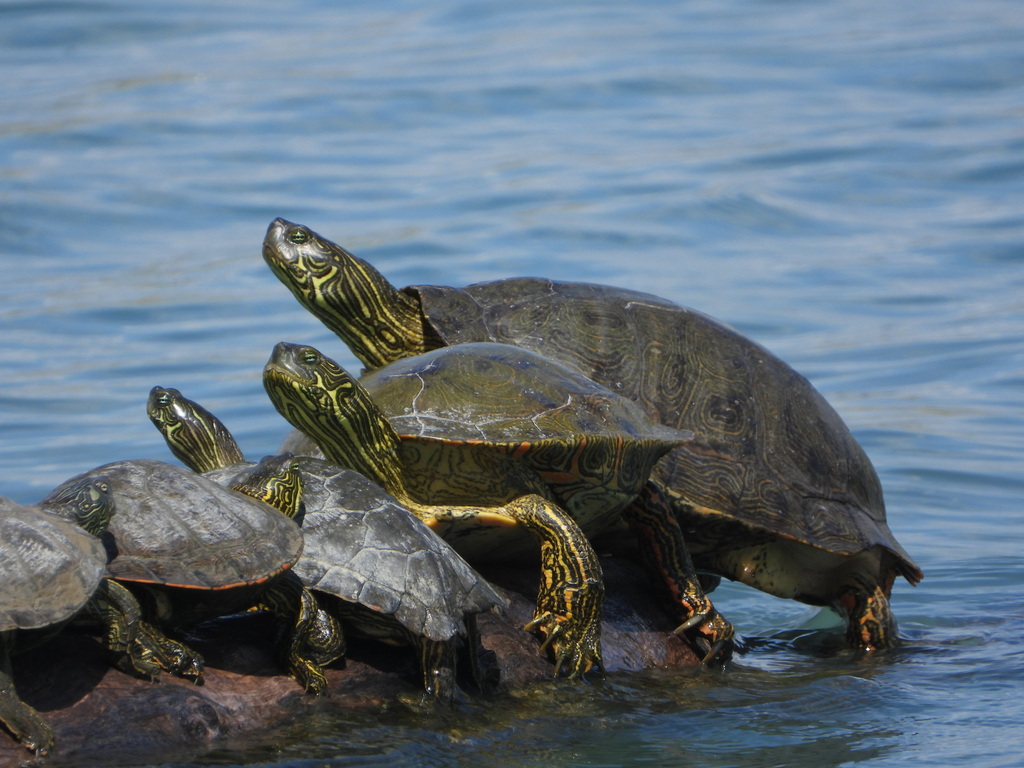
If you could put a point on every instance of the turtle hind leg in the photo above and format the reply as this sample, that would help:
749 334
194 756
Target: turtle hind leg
870 623
668 560
24 723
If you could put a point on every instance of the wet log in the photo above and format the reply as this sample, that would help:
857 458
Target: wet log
102 716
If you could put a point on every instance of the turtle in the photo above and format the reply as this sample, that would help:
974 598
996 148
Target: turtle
488 444
370 562
192 550
52 564
774 491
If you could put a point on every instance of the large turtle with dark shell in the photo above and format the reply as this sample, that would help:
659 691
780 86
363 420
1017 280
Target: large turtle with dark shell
497 449
774 491
51 566
368 560
192 550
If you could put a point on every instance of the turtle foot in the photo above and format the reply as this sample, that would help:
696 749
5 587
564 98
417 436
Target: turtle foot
316 640
437 663
871 625
709 633
138 661
311 677
153 649
574 645
439 686
28 727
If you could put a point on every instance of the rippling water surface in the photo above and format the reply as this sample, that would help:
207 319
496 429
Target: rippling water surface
840 180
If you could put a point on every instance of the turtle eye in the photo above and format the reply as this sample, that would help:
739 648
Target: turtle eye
163 399
298 236
309 357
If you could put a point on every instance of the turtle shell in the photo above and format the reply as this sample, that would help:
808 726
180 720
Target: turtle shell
496 393
770 455
49 567
594 449
179 529
364 547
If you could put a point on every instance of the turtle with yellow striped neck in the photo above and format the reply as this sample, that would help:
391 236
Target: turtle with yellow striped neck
774 491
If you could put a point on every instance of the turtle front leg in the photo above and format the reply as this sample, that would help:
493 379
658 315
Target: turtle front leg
665 554
437 662
117 609
24 723
570 600
311 637
139 648
440 661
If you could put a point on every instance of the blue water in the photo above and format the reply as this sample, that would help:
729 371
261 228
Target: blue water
842 180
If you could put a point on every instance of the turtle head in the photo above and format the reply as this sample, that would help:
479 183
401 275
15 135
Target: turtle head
378 322
303 260
277 480
321 399
194 435
87 502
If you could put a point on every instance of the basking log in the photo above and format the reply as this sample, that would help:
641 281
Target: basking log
100 714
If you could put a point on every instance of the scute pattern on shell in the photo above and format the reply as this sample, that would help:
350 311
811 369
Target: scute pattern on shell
499 393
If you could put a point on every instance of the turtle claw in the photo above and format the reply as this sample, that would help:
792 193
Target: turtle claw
574 645
709 650
713 636
163 653
715 650
548 639
690 623
24 723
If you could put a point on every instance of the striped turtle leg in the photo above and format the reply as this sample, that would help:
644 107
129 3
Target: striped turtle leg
437 662
871 624
570 600
139 648
665 554
19 718
311 637
169 655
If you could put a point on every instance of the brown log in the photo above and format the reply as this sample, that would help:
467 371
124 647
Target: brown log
100 713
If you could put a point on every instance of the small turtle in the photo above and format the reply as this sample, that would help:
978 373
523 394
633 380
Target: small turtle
369 561
774 491
489 444
50 568
192 550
